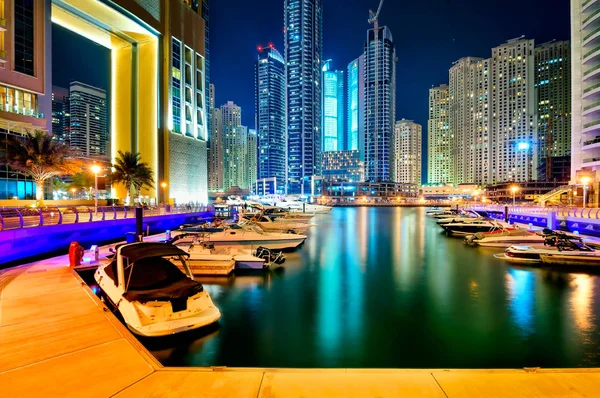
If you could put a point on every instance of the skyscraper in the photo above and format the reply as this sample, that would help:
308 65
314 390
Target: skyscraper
215 147
354 139
439 144
234 144
406 145
60 113
251 161
380 104
270 103
333 109
303 37
209 105
89 121
553 91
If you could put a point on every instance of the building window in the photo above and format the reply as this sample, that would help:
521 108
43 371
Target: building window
176 85
24 36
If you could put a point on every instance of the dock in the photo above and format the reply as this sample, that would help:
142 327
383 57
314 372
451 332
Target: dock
58 339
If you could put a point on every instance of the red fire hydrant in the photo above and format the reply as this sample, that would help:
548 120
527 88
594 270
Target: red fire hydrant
75 254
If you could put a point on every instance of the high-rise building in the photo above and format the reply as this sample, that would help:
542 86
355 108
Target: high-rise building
355 133
251 160
380 104
303 37
215 147
206 17
439 143
89 121
61 112
342 166
333 109
234 146
553 91
462 85
406 145
270 98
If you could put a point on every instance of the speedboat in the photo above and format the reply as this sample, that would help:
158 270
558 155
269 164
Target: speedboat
473 226
152 294
303 207
273 224
504 237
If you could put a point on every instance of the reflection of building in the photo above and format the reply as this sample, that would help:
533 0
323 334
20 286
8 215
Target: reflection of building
553 90
88 120
371 191
303 27
343 166
354 139
271 121
25 84
439 145
333 109
406 152
380 104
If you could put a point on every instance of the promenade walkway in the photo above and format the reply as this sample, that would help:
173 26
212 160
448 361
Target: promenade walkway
58 339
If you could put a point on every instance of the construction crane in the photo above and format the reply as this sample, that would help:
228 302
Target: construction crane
374 20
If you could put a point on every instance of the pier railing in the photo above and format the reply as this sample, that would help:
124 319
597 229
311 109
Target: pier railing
26 217
592 213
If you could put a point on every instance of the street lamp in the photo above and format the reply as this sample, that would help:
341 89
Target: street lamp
73 192
585 181
514 189
164 187
96 169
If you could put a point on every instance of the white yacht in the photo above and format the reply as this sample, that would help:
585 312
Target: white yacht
152 294
473 226
299 206
277 224
504 237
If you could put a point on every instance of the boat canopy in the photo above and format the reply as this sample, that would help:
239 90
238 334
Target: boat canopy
139 251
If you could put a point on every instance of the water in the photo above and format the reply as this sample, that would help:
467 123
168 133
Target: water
382 288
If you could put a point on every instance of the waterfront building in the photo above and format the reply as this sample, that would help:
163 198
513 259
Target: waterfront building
234 146
270 98
585 92
25 84
209 105
343 166
448 191
553 91
303 37
215 147
354 139
439 145
61 122
368 191
527 191
251 160
380 104
406 152
333 109
88 121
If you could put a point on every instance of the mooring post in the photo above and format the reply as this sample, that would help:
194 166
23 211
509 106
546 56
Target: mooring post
505 213
139 228
551 221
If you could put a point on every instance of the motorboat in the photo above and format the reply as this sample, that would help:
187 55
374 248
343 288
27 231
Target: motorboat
462 216
473 226
558 248
435 213
250 236
571 259
505 237
298 206
154 296
276 224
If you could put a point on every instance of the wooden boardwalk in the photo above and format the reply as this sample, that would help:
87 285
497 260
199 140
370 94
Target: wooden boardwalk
58 340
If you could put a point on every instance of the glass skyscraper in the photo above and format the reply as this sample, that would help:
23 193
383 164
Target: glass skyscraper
303 37
354 139
380 104
333 109
271 115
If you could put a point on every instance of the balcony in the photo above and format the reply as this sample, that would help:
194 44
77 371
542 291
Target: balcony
591 108
586 4
590 18
594 143
2 25
592 72
592 126
591 91
591 37
591 54
592 161
22 111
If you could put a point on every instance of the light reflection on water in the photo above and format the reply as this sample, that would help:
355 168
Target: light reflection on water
383 287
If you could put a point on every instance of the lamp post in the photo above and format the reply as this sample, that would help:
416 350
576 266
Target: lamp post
164 187
96 169
585 181
73 190
514 189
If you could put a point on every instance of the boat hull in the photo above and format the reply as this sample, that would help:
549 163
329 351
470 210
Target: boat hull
571 260
269 244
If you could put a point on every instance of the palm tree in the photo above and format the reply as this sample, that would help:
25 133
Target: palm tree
37 155
83 181
130 171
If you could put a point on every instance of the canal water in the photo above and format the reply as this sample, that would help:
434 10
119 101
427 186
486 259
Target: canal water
384 288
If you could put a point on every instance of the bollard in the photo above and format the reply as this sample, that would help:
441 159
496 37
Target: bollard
551 221
94 253
139 217
505 213
75 254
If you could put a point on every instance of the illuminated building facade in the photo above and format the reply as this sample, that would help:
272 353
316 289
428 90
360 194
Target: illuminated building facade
61 122
343 166
439 145
355 132
88 120
553 92
251 161
303 37
270 104
406 149
380 104
333 109
215 147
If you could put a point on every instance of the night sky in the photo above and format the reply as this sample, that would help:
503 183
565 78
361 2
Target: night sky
429 36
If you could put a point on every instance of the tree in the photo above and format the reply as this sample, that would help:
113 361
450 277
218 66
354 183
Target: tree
37 155
83 181
132 172
58 186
